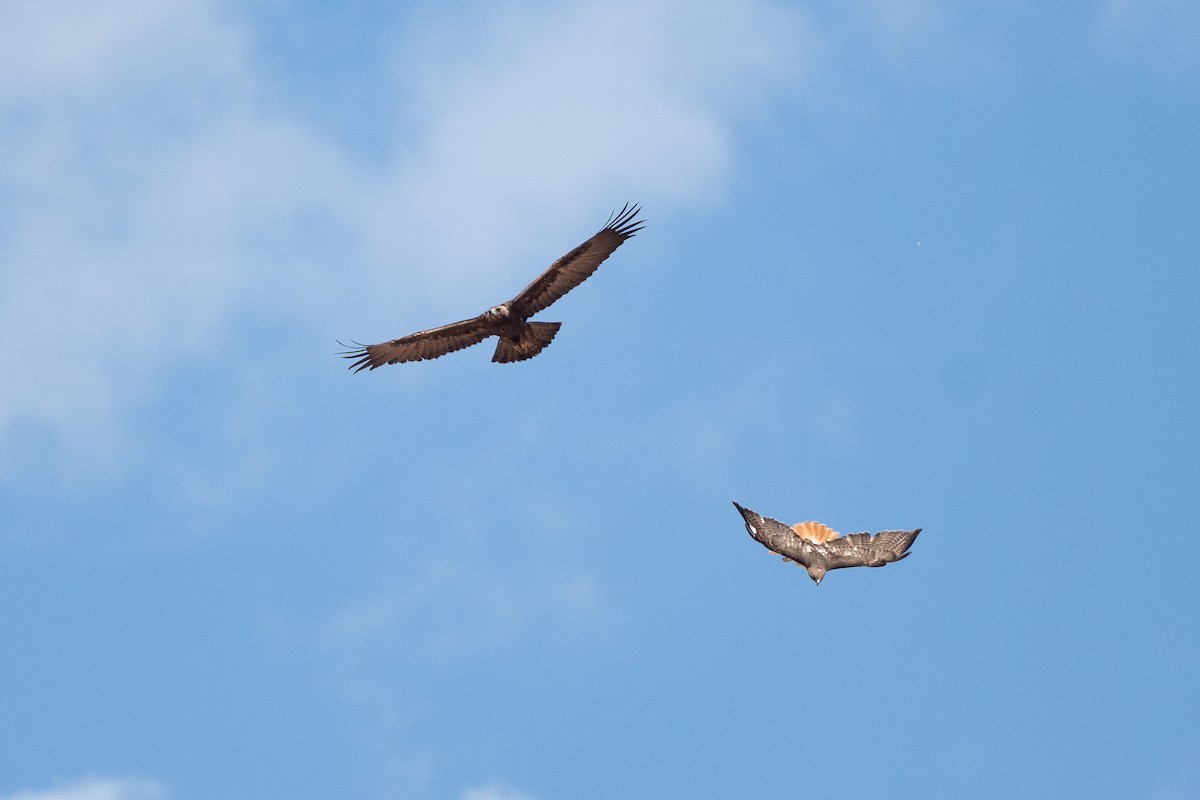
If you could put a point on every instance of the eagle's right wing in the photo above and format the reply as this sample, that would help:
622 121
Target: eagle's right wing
577 266
419 346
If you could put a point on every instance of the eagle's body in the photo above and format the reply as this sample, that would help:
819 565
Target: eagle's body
819 549
519 338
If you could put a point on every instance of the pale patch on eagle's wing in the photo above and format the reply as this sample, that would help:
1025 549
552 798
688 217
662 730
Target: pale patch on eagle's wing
420 345
865 550
577 266
777 537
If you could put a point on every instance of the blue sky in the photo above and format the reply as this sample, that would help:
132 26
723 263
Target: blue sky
906 264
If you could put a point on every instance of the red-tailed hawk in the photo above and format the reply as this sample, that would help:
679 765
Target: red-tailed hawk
819 549
519 338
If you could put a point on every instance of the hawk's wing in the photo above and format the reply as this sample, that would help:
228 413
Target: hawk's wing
779 538
420 345
576 266
865 550
855 550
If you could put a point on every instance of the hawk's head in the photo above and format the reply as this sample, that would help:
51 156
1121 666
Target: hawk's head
817 573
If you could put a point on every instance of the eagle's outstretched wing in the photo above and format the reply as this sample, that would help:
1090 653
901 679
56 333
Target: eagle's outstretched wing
778 538
576 266
865 550
420 345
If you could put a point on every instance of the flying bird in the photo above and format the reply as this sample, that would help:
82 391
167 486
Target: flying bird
519 338
819 549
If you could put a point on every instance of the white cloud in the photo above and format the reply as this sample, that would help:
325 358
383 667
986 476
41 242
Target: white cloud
153 190
134 176
77 47
96 788
560 112
494 791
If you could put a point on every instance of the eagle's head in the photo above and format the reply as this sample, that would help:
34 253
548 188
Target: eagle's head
497 313
817 573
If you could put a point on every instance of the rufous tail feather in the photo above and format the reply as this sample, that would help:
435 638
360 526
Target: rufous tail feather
815 532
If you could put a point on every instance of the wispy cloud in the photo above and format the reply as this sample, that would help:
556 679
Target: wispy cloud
383 648
135 171
494 791
96 788
564 109
458 610
68 50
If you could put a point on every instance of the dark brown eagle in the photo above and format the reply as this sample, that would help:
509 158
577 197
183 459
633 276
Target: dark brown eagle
519 338
819 549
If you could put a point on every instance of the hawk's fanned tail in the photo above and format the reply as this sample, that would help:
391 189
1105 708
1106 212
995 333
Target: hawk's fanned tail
814 532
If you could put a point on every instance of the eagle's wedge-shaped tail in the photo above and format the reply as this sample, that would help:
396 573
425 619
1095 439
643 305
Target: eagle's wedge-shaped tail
534 338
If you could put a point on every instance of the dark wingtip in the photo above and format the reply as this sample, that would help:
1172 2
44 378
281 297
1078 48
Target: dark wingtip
625 222
362 359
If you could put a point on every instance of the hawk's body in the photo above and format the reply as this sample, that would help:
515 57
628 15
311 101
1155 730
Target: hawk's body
819 549
519 338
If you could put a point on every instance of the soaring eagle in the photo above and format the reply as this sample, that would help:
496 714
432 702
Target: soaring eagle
819 549
519 338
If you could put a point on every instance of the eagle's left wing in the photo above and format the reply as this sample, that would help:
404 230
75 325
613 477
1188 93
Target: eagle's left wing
577 266
865 550
418 346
